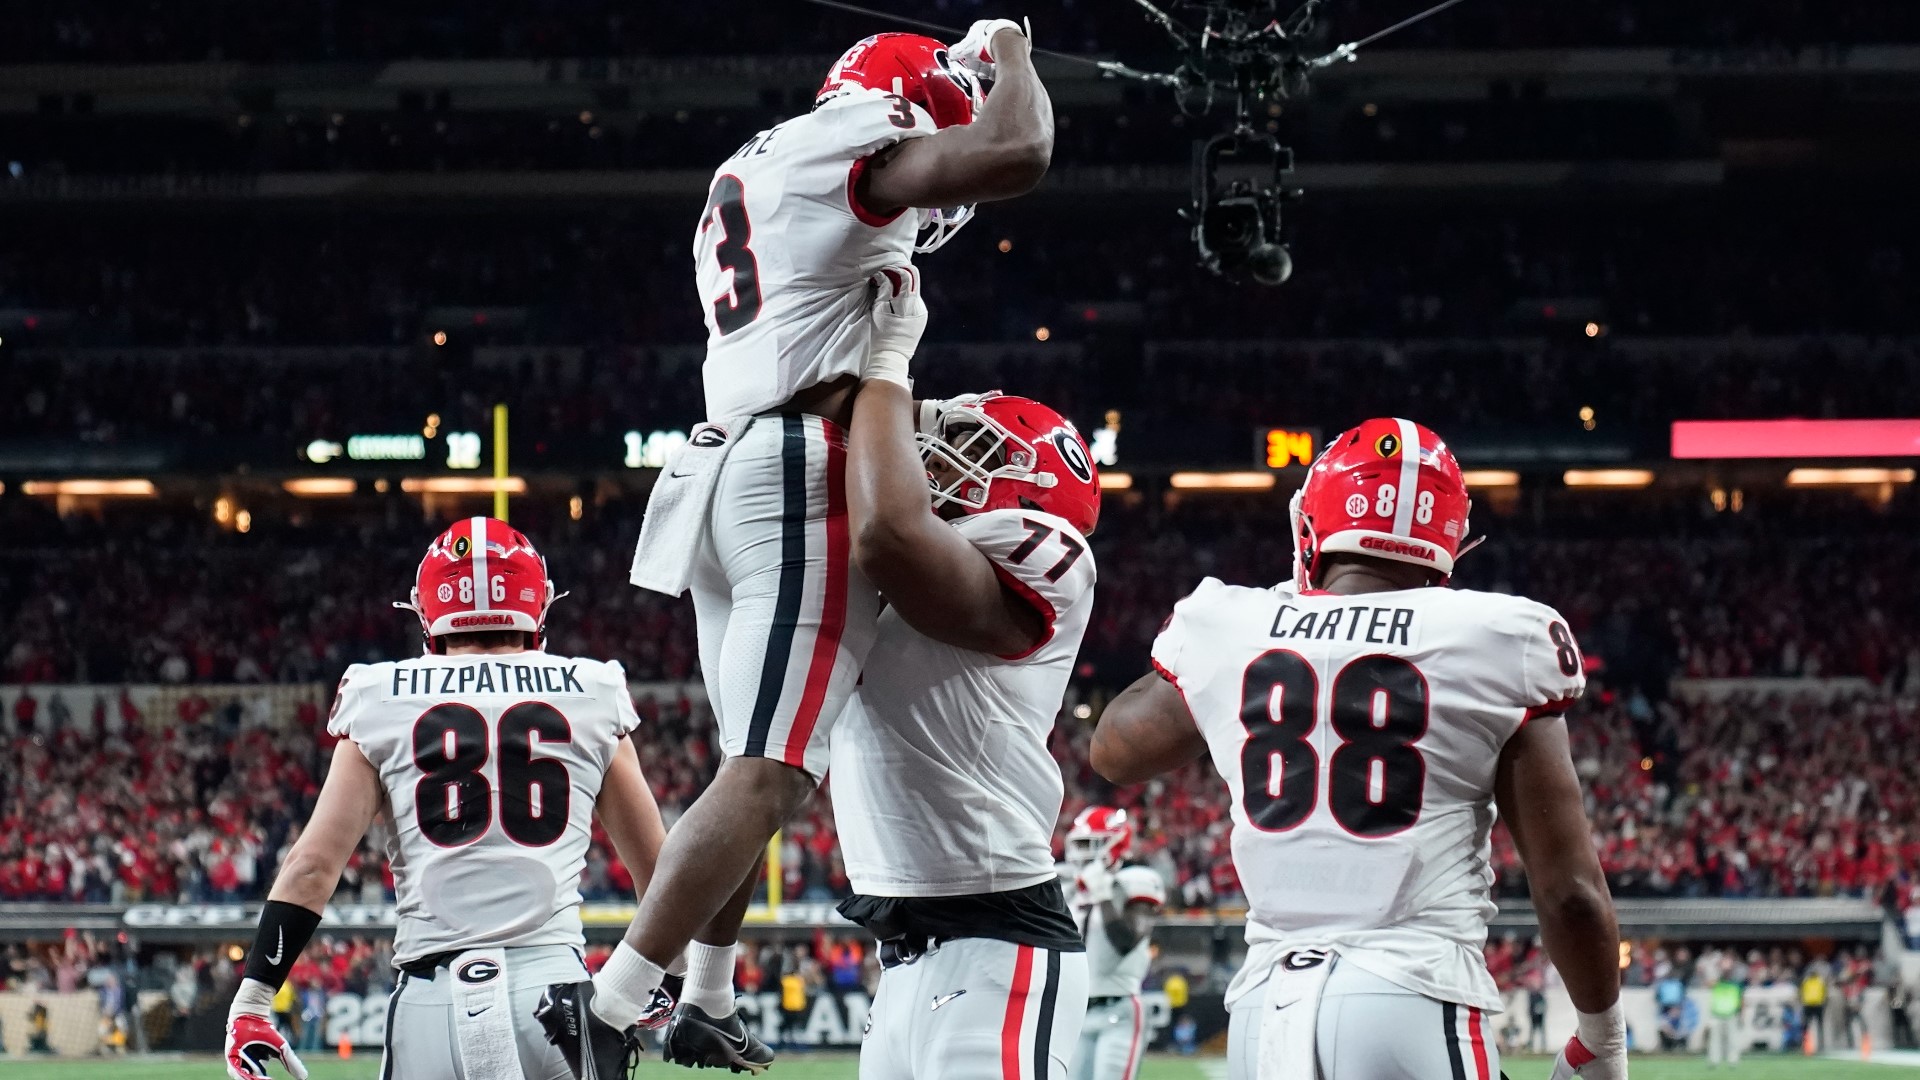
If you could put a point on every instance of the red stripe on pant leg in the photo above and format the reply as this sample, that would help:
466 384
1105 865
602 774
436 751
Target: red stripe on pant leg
833 605
1133 1048
1479 1041
1016 1014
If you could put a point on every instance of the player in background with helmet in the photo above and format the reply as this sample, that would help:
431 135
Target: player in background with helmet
490 758
1116 903
943 788
903 139
1368 724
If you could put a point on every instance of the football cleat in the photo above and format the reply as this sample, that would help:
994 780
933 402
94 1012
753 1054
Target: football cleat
593 1048
659 1011
699 1041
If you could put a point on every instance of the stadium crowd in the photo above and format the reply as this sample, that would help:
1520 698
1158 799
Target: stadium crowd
619 275
1764 794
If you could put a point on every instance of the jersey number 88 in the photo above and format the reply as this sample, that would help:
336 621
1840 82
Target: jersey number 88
1280 769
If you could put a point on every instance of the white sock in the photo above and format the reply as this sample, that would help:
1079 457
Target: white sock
625 986
710 979
678 969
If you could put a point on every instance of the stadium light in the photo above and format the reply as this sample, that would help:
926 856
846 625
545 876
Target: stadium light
1835 477
463 485
107 488
1116 481
1489 478
1620 478
319 486
1222 481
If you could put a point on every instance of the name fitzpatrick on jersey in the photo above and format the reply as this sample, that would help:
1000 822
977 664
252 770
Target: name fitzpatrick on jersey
1355 622
481 679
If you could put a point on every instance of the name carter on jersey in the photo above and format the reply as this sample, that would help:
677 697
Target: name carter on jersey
479 678
1386 626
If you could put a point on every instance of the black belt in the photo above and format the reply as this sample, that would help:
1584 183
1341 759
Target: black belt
907 948
1103 1002
424 967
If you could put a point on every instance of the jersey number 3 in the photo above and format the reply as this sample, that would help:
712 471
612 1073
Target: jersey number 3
1376 778
741 305
453 801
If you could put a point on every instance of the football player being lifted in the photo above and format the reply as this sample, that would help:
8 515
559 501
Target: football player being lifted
490 758
1369 723
975 532
905 136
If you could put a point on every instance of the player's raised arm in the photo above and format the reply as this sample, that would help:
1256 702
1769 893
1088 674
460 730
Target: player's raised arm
348 802
1538 794
1145 731
939 582
1002 154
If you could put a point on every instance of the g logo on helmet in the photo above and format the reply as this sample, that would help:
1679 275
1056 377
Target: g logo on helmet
445 593
1075 455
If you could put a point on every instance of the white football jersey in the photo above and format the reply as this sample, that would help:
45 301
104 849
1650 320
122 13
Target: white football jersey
942 783
1112 973
782 253
1358 736
492 764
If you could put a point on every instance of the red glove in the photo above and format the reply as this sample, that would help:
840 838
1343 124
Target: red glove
252 1041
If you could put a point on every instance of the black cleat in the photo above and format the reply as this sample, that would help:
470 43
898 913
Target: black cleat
659 1011
594 1049
698 1041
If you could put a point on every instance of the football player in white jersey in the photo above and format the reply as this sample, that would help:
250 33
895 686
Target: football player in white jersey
1116 903
490 758
1368 724
943 789
752 517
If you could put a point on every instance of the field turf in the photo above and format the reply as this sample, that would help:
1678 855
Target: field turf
841 1067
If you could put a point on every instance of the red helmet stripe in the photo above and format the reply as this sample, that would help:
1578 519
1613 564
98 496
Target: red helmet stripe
477 533
1409 490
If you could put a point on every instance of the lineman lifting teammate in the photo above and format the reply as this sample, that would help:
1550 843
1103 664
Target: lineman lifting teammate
752 516
490 758
1116 903
943 787
1367 724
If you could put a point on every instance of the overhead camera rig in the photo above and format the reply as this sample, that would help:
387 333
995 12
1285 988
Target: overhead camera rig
1252 51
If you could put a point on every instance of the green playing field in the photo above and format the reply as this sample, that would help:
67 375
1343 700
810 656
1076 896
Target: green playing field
841 1067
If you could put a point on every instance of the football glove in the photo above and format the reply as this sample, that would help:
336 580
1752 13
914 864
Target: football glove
974 52
899 318
252 1041
1094 884
1598 1049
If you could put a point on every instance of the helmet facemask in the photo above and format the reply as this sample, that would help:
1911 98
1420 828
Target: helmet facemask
967 453
937 226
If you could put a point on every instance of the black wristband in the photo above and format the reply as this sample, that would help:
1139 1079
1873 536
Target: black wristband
284 932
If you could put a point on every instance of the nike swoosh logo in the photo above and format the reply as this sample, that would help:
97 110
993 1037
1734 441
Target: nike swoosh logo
739 1040
944 998
478 1011
279 947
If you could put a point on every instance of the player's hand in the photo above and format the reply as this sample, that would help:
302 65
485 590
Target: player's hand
899 318
932 411
1094 884
252 1041
1598 1049
974 53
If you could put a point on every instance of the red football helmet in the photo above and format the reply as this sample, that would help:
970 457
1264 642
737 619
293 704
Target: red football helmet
1388 488
481 574
997 452
914 66
1099 834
